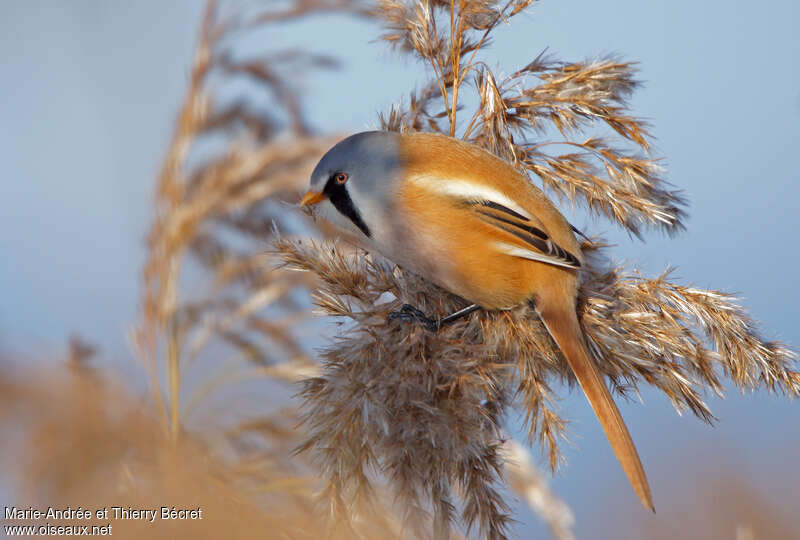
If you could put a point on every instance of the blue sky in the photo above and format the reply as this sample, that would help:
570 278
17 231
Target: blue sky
92 88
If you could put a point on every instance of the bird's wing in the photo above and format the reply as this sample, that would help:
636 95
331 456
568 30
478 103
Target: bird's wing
495 208
536 244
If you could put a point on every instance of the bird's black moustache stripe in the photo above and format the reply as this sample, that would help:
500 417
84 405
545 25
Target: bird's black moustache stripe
340 199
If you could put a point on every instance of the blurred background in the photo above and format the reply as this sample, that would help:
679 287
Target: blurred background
91 94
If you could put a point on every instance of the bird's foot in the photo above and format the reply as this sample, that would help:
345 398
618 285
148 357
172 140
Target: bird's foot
409 313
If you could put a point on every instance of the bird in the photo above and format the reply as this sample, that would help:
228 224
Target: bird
468 221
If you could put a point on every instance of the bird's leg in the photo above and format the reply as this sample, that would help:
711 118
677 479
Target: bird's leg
410 314
459 314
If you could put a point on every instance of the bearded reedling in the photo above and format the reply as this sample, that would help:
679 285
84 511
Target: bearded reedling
468 221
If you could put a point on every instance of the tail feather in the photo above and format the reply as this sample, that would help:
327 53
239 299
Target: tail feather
565 329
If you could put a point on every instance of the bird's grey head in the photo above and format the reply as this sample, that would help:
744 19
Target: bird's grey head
352 184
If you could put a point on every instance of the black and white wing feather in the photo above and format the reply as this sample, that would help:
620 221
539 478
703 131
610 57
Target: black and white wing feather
536 244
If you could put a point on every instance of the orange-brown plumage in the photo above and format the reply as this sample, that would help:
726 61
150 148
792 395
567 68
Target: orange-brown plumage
470 222
499 281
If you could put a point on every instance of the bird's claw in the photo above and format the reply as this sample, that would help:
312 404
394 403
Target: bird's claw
409 313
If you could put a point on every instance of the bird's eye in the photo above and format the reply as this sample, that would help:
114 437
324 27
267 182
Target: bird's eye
340 178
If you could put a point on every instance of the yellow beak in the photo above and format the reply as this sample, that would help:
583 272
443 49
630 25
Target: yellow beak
311 198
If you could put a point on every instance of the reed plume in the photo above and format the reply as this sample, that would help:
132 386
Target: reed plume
426 410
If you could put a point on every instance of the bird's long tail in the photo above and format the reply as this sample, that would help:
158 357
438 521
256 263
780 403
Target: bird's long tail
564 327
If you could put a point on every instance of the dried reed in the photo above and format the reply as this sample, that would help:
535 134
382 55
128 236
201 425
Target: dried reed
83 440
228 172
405 427
221 210
425 410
